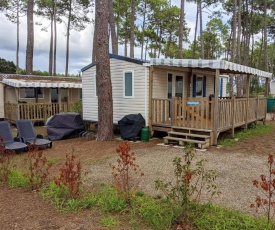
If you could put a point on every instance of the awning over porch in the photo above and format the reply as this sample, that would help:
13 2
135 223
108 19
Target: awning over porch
223 66
40 83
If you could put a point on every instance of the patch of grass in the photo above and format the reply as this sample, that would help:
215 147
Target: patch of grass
212 217
109 222
56 194
158 214
85 202
16 179
108 199
51 160
258 130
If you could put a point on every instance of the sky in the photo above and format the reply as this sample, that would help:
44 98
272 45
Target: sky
80 43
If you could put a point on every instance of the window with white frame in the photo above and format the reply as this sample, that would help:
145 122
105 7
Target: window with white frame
199 86
128 84
25 93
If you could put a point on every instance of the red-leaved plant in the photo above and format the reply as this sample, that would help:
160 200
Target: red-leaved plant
38 167
5 161
70 176
124 172
267 186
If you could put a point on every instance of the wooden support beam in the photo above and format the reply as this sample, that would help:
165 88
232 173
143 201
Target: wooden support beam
151 73
216 107
247 99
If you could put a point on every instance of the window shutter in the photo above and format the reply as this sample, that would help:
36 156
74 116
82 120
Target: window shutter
221 86
194 85
204 86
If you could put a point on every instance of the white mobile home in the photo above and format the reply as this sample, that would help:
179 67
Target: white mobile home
130 85
36 97
176 95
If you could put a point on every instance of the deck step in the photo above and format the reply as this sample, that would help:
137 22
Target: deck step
200 144
192 129
188 134
184 140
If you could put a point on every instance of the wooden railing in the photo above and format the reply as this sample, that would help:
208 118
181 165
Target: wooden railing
34 111
235 112
161 111
199 112
192 113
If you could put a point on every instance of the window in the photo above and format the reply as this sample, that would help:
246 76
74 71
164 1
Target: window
199 83
30 93
128 84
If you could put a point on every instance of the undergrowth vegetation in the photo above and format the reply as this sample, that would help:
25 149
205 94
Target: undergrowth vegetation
177 206
259 129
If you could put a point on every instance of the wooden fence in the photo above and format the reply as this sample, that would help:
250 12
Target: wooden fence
199 112
34 111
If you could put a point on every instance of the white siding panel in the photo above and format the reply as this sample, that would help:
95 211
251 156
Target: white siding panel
160 83
121 106
2 100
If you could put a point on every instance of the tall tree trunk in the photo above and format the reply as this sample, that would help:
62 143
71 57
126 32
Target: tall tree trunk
195 35
201 30
126 47
132 32
113 28
51 48
17 37
103 75
30 38
55 40
68 39
234 23
265 37
95 38
143 27
181 29
238 53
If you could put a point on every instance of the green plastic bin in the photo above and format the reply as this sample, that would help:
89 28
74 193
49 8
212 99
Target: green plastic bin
270 104
144 134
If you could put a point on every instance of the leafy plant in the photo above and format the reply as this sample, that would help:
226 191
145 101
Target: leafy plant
190 181
6 165
37 168
267 186
76 107
125 171
70 176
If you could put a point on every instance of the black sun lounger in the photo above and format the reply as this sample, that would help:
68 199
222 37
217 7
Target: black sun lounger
26 132
10 142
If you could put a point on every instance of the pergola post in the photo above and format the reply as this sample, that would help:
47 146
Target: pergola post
266 95
151 72
216 107
247 99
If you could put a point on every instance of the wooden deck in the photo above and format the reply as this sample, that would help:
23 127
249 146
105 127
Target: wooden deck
198 113
34 111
